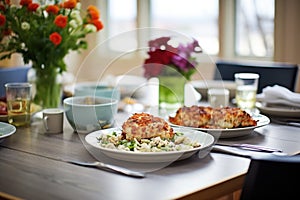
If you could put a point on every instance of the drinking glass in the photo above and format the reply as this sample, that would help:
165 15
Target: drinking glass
218 97
18 96
246 89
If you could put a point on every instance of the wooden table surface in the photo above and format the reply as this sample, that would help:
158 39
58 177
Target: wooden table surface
33 166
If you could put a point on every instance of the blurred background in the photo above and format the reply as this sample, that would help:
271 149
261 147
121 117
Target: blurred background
259 30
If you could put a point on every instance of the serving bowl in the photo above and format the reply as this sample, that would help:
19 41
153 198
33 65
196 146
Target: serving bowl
89 113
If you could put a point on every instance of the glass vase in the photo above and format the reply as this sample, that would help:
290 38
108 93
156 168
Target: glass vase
171 91
47 87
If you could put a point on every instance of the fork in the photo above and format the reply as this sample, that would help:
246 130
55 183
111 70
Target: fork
251 147
115 168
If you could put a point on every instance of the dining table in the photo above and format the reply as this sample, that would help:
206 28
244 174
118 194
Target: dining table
35 165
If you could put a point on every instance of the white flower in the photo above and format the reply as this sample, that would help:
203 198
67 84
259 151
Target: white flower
90 28
73 23
78 5
39 11
25 26
75 14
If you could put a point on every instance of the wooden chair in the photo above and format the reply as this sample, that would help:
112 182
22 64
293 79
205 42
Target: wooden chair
272 177
271 73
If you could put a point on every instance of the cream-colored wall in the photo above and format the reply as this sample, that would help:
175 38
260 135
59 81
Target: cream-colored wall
287 31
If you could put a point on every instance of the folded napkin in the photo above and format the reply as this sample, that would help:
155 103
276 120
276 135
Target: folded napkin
279 95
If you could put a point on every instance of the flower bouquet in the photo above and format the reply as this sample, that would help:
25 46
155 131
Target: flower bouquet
173 66
44 34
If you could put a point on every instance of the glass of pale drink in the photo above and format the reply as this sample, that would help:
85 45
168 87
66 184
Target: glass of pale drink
18 97
246 90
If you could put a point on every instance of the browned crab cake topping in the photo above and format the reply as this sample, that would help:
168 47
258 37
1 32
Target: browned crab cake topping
145 126
208 117
194 116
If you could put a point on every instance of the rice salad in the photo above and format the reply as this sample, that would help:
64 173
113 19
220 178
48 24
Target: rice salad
116 141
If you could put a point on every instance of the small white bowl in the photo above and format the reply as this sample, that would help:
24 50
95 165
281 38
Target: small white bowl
89 113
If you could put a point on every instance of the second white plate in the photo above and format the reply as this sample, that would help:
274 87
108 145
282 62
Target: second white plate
262 120
279 111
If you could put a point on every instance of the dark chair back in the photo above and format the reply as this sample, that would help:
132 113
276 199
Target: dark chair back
272 177
270 73
12 74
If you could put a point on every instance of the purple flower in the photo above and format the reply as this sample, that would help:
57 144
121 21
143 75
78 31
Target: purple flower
180 58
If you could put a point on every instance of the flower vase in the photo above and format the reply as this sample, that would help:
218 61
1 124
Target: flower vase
171 91
48 91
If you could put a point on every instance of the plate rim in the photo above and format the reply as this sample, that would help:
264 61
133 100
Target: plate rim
228 131
151 154
8 133
278 111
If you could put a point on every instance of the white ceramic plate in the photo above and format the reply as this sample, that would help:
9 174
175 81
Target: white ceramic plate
279 111
233 132
206 141
6 130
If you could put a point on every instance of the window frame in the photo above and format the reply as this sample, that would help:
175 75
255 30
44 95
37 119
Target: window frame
226 27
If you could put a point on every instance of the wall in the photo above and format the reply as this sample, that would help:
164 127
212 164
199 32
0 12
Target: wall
287 29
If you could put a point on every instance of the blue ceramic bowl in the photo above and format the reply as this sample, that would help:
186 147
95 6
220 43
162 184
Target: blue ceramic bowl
88 113
92 89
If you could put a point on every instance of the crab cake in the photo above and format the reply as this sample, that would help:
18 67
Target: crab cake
145 126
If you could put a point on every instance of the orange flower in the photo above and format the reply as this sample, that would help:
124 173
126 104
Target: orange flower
69 4
2 20
25 2
55 38
61 21
93 12
54 9
33 7
99 25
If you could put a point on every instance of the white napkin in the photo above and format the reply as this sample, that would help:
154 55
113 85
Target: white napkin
279 95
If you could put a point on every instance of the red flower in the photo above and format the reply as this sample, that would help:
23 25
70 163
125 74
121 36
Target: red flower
156 62
69 4
33 7
55 38
160 56
7 32
2 20
54 9
93 12
152 69
61 21
99 25
2 7
25 2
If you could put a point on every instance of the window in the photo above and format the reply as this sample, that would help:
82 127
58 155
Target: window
255 28
122 18
196 18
